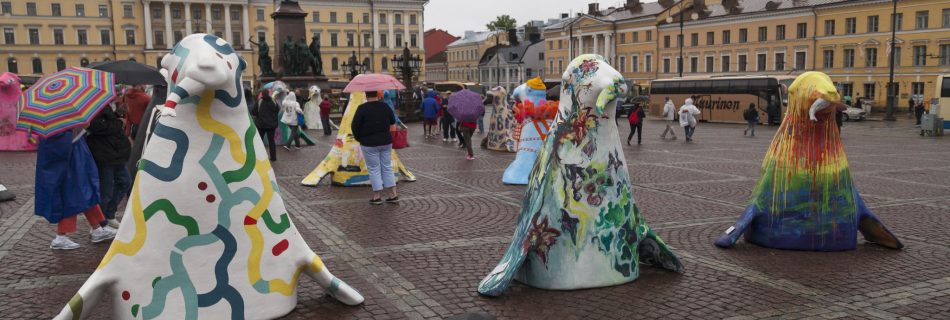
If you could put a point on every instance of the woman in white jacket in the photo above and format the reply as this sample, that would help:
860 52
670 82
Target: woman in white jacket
291 110
688 118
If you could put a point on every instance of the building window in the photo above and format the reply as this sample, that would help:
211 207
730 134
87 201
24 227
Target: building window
897 56
12 65
779 61
34 35
694 64
709 64
60 64
623 38
829 27
945 54
80 10
235 15
37 66
6 7
261 35
802 30
829 57
412 40
412 19
726 37
103 11
920 56
366 18
397 18
872 23
367 40
157 12
724 63
666 41
196 14
104 36
850 25
870 57
383 40
159 37
710 38
635 63
58 36
847 89
349 17
399 39
31 9
800 60
743 63
623 64
917 88
334 64
870 90
56 10
260 14
81 37
946 18
550 64
763 34
382 18
666 65
694 40
130 37
334 42
85 62
649 35
648 63
127 11
332 17
176 13
215 13
760 62
178 36
848 58
9 37
922 20
384 64
635 37
350 40
743 35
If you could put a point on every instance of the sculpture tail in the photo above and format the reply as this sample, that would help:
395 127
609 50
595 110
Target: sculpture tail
873 230
655 252
82 303
731 235
400 168
326 167
335 287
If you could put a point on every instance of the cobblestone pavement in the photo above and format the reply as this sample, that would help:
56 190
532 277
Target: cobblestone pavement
423 258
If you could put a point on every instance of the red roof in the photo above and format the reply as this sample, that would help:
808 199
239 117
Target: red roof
436 40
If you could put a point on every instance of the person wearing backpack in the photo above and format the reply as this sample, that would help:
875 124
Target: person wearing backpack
636 123
669 114
751 117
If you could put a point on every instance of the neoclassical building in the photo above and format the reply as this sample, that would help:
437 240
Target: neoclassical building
43 36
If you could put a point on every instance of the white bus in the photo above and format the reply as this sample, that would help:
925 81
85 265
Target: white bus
942 97
723 98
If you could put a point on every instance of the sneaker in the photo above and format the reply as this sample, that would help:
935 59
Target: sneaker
469 158
63 243
113 223
376 202
287 147
455 139
744 132
102 234
393 200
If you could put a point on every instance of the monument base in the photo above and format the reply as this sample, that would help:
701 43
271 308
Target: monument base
300 82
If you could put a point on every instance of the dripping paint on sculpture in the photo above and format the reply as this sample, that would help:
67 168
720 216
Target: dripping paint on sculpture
805 198
206 234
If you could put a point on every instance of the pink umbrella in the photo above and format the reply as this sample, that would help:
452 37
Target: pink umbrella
373 82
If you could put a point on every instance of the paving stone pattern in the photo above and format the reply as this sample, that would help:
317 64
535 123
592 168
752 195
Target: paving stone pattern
423 258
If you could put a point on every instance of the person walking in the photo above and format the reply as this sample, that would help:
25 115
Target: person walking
688 113
111 149
449 131
919 111
430 110
292 112
751 117
371 125
636 123
67 184
265 118
137 102
325 115
467 129
669 114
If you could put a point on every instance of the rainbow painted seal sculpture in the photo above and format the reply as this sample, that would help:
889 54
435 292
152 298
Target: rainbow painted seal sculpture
580 226
805 198
206 234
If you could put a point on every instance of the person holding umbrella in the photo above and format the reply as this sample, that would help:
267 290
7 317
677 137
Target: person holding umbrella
371 126
466 106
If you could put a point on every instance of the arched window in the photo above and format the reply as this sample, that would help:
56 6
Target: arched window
60 64
132 59
37 66
335 64
83 62
12 65
384 64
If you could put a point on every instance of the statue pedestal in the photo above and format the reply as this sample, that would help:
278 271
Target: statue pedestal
300 82
288 21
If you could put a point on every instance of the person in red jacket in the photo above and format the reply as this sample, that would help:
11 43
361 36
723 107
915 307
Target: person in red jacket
325 114
137 101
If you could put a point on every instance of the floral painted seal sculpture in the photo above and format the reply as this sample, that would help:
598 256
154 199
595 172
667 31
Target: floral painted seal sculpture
206 234
580 226
805 198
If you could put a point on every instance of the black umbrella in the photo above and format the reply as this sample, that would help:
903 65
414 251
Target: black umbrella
131 72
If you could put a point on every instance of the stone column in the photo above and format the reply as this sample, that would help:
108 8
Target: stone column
169 40
246 27
391 35
188 17
375 30
421 40
596 44
580 46
208 18
405 30
608 43
148 24
227 24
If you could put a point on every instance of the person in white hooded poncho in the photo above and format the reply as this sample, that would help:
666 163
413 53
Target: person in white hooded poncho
688 118
291 110
311 109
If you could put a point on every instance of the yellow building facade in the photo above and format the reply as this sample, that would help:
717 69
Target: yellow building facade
464 54
44 36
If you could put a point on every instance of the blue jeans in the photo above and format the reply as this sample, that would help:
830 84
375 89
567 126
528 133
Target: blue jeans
114 184
481 124
379 163
751 127
689 131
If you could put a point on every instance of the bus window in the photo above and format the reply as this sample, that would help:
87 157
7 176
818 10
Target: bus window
945 87
739 85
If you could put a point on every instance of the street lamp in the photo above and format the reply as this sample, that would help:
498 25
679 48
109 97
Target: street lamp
891 99
682 42
354 66
407 66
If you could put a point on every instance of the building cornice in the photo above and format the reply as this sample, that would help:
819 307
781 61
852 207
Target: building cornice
744 18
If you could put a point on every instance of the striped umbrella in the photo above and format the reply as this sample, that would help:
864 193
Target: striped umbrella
65 100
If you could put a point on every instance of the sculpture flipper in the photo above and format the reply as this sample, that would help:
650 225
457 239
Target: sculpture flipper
731 235
872 229
335 287
81 304
655 252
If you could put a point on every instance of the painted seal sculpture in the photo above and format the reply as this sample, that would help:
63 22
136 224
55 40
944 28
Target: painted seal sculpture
206 234
11 139
534 116
501 124
580 226
805 198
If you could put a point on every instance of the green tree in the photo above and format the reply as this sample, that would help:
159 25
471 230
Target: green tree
502 22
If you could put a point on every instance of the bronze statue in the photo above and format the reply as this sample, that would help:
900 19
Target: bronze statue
303 56
288 57
317 61
263 58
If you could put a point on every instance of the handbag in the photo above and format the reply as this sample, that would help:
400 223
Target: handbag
400 137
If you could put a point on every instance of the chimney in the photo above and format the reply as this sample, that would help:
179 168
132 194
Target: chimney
593 9
535 37
565 15
469 34
513 37
632 4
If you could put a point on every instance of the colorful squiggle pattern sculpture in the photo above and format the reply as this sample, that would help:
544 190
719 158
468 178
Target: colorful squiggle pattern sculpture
805 198
580 226
206 234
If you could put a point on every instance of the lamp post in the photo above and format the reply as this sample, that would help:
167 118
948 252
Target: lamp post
891 98
354 66
407 66
681 42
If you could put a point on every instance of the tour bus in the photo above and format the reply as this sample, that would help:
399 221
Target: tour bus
450 86
723 98
942 97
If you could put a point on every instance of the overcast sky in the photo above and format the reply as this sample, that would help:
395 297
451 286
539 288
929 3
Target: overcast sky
456 16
